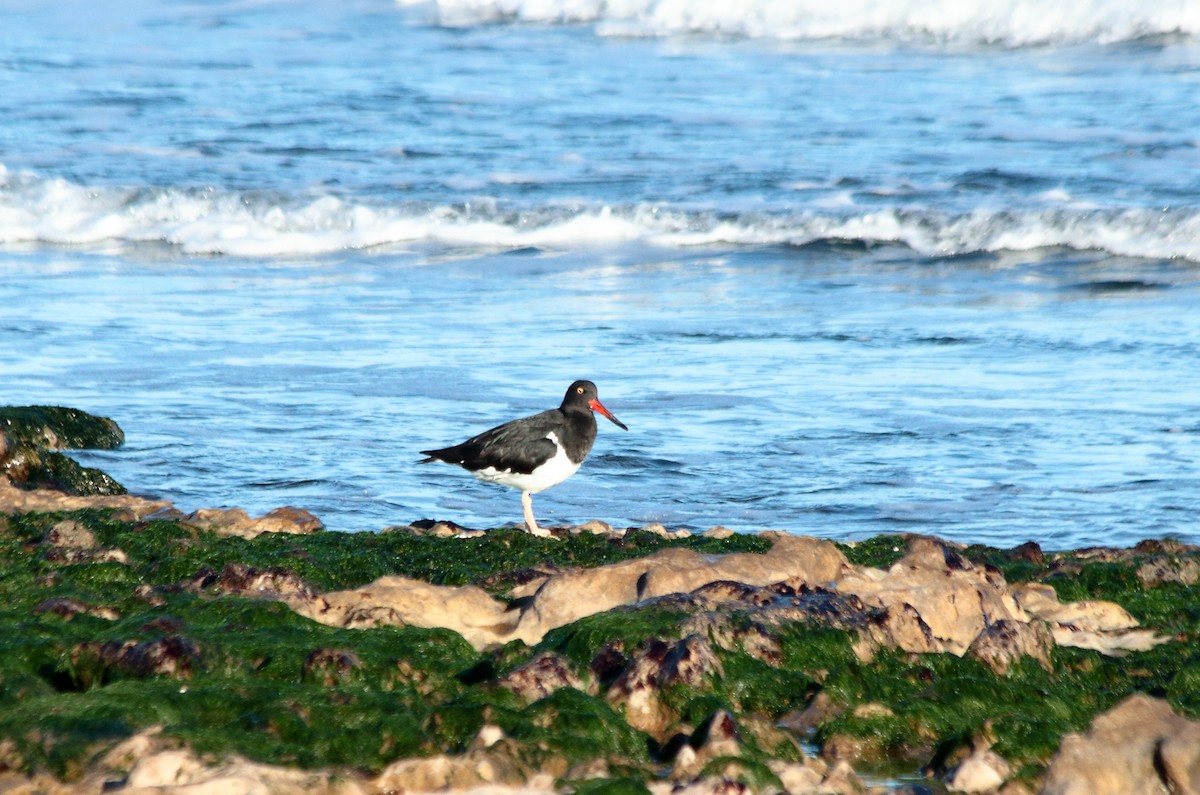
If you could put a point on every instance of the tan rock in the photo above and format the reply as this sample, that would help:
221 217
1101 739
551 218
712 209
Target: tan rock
952 596
842 780
73 542
400 601
69 607
574 594
873 710
1139 747
1004 642
164 769
236 522
934 600
179 772
710 785
797 778
440 773
127 507
658 665
72 535
172 656
489 734
1090 624
241 580
981 772
595 527
540 677
1169 568
716 737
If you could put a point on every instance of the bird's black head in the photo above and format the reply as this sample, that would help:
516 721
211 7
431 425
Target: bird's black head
582 395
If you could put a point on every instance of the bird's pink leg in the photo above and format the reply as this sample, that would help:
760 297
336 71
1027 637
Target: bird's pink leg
530 522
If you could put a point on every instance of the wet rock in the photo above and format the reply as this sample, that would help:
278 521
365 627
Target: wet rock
932 600
56 428
236 522
540 677
820 709
1139 747
30 437
609 663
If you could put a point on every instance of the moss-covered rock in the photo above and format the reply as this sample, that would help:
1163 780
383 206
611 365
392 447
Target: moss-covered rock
110 627
31 436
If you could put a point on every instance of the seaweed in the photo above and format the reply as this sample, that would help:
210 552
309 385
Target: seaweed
96 647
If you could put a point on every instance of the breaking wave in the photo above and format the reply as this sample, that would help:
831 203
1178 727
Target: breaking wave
1004 22
35 211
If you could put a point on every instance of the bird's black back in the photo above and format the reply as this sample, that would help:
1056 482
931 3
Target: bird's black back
523 445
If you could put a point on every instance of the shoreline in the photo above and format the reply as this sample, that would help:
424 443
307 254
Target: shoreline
155 651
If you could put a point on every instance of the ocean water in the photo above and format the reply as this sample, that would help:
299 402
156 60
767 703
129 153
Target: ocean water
843 270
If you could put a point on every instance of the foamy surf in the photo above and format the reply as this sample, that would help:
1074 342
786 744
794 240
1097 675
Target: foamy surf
1006 22
59 212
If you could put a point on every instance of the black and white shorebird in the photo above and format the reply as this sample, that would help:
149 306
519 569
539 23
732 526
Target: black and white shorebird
533 453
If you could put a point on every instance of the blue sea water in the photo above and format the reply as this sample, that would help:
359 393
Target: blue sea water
879 267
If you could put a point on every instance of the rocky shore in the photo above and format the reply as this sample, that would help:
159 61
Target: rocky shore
148 650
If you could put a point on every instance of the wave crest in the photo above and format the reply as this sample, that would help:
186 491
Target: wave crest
1006 22
58 212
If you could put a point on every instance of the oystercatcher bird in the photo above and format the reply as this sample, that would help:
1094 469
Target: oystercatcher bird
533 453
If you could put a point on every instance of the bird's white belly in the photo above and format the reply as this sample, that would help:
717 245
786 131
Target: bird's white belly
551 473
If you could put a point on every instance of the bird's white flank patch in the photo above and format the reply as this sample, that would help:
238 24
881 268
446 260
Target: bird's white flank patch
554 471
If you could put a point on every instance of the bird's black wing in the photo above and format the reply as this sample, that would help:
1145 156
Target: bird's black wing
519 446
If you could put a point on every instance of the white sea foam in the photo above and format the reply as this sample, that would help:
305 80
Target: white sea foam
1009 22
58 212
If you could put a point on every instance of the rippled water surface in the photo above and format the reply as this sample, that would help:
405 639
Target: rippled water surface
897 279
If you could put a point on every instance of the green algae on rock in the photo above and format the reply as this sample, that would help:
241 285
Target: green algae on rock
31 436
111 627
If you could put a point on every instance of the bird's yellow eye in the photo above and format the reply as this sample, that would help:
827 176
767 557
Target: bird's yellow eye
579 389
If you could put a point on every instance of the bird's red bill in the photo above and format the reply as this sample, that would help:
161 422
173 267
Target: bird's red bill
596 405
